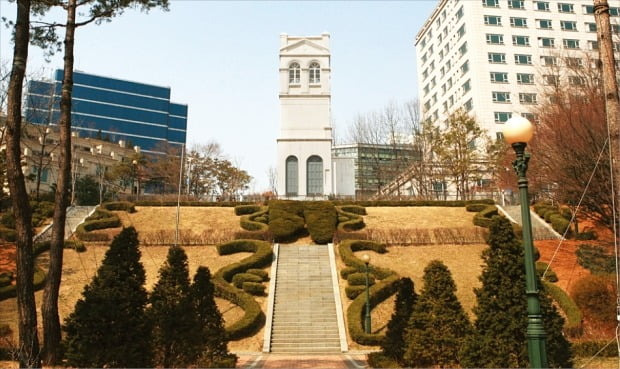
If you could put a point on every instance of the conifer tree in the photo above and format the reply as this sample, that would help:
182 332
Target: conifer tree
176 332
109 327
213 336
438 325
394 344
499 335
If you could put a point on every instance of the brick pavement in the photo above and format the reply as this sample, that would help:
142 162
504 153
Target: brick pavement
277 361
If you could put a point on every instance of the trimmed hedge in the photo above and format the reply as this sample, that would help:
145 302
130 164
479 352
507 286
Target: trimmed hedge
247 209
100 219
254 288
458 203
239 278
321 219
6 278
353 291
285 225
378 293
254 318
349 222
249 223
354 209
120 206
222 204
474 208
289 206
551 214
540 269
7 234
573 326
348 247
484 217
259 272
346 271
595 259
38 279
359 279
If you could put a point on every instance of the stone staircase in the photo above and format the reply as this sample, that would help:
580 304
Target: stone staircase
304 313
540 229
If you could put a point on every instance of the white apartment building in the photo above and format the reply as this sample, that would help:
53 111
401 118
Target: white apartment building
492 57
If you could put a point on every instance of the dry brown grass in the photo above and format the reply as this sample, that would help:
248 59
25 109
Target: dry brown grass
427 217
464 262
78 269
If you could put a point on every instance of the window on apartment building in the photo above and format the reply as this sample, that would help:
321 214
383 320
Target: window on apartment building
465 67
461 31
426 89
463 49
548 60
441 55
443 88
576 80
424 57
498 58
521 40
590 27
566 8
523 59
588 9
568 25
448 65
446 49
544 23
547 42
516 4
518 22
615 28
423 43
502 116
593 45
445 31
449 83
570 43
492 20
427 106
527 98
433 82
525 78
530 116
442 71
450 101
542 6
431 66
491 3
573 62
495 39
616 46
469 105
466 86
425 74
614 12
459 13
551 79
435 115
439 38
434 99
501 97
499 77
445 106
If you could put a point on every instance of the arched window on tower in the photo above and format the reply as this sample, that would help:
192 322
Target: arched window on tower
314 168
292 176
315 73
294 73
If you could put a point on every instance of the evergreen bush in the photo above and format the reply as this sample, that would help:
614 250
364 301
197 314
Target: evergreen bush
109 327
501 310
246 209
393 346
595 259
438 325
595 295
285 226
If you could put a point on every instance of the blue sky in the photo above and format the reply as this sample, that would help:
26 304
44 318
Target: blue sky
221 58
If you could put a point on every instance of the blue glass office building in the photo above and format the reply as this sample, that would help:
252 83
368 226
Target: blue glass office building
114 109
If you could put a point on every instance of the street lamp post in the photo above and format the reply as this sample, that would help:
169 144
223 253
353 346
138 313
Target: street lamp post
367 323
517 132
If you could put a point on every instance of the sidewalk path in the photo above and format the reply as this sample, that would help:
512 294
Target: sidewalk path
276 361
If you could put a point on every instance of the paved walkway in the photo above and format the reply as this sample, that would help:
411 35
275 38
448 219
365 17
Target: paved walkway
540 228
75 216
273 361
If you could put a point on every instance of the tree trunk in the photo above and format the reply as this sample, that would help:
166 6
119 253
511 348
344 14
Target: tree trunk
51 321
28 353
612 104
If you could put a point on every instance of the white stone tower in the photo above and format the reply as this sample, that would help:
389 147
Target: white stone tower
305 139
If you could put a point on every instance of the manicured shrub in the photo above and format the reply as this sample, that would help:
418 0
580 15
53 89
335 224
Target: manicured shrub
253 235
394 344
474 208
100 219
321 219
371 203
76 245
259 272
586 236
109 327
438 325
254 288
7 234
595 259
246 209
501 309
348 247
346 271
550 276
561 225
289 206
574 319
595 295
239 279
120 206
6 278
353 291
483 218
285 226
253 318
348 222
217 204
359 279
355 209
